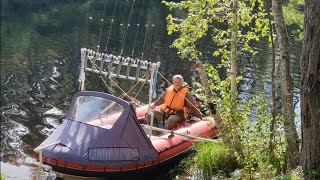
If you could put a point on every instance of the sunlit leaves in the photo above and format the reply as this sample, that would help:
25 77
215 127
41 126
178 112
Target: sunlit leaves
214 18
293 15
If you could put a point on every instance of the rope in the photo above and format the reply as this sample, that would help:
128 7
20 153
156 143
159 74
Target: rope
105 83
135 39
114 11
135 86
125 11
123 92
89 19
153 27
141 87
145 34
144 42
101 27
125 34
152 37
138 27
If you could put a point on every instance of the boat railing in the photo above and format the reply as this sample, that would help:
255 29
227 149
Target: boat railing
40 148
110 65
114 66
151 122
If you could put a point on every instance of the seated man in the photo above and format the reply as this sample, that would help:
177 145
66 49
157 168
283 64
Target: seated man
174 102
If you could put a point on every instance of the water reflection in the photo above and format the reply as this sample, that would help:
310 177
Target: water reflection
28 171
40 60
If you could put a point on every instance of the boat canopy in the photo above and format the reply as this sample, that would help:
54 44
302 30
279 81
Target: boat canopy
99 129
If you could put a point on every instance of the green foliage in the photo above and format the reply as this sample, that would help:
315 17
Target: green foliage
293 15
295 174
214 18
211 158
2 177
254 115
255 134
313 173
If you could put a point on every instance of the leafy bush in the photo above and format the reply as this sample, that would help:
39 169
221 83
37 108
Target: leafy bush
313 173
258 159
255 138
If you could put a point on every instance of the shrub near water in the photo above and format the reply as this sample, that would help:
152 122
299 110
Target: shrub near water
211 158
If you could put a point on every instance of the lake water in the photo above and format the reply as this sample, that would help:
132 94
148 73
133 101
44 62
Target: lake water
40 61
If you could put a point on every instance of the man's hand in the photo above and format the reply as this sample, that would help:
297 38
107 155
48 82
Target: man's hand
194 118
208 119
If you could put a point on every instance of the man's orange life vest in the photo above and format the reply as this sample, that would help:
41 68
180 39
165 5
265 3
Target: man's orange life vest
174 100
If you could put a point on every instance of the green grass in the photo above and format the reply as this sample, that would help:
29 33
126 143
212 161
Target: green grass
210 159
213 157
2 177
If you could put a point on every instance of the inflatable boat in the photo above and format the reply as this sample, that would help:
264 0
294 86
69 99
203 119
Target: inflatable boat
101 136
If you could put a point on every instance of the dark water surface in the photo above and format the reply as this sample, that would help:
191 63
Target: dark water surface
40 61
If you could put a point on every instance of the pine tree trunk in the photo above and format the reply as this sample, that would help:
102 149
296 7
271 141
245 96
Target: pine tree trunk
310 87
291 135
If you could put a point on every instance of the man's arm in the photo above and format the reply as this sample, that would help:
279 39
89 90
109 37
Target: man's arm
191 103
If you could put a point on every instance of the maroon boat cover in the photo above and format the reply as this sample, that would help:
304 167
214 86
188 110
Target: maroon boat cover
100 129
